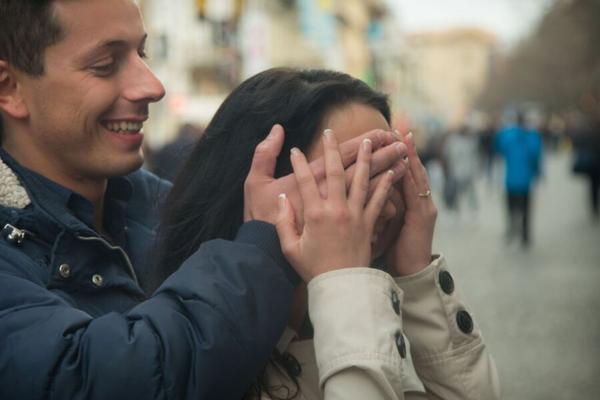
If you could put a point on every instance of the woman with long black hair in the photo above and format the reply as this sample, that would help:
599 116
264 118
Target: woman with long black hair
356 343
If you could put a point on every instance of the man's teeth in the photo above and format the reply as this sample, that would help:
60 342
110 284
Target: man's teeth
124 126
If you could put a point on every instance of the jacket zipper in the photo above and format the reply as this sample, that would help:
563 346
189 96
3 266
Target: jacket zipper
110 246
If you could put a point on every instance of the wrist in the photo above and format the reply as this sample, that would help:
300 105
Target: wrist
408 266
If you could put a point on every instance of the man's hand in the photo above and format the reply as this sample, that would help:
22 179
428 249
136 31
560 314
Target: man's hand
261 190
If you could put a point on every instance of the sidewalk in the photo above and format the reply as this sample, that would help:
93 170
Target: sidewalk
539 309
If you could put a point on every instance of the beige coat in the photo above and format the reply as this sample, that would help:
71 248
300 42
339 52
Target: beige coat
362 318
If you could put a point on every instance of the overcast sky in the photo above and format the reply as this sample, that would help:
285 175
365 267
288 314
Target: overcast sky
509 19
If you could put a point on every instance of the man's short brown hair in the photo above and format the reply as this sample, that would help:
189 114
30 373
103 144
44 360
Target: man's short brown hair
27 28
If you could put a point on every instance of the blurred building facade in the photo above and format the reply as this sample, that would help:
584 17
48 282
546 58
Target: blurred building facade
442 73
201 49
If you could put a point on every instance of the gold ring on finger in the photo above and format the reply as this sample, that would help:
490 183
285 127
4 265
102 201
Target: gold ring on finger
426 194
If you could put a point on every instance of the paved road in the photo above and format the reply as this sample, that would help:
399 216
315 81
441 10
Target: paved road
539 309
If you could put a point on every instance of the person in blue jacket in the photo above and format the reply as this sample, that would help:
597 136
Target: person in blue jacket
521 149
78 217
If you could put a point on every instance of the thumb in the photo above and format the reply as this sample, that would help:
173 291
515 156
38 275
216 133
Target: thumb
265 154
286 226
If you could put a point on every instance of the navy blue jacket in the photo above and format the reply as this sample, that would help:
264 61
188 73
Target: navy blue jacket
75 323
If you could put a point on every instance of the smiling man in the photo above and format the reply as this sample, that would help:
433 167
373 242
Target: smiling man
78 215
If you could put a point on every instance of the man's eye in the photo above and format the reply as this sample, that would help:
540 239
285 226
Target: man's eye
104 69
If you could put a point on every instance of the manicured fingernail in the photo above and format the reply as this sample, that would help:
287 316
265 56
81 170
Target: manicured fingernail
391 172
282 198
295 151
367 144
396 134
273 129
328 133
410 136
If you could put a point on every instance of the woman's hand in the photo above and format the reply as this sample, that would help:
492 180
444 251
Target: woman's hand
337 229
411 251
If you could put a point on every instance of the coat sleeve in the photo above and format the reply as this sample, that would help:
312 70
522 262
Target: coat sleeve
205 333
448 349
358 338
361 320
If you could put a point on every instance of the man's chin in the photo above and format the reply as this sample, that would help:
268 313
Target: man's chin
124 167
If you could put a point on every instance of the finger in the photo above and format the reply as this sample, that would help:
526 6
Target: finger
383 159
336 184
265 155
379 198
307 185
360 183
399 170
410 191
349 150
417 168
286 225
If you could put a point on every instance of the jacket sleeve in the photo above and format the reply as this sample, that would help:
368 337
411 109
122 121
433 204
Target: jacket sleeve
358 339
361 319
205 333
448 349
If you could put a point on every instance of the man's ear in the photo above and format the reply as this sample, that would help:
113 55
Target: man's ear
11 99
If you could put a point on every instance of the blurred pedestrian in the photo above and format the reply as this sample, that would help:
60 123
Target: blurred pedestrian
460 153
585 135
521 149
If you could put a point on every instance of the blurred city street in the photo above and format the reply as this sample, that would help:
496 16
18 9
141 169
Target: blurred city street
538 308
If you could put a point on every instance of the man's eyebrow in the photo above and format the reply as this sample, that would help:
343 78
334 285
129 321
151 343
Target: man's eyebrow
110 44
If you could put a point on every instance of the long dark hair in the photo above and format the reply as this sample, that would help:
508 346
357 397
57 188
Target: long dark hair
207 198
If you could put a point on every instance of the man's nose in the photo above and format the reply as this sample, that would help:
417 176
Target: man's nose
141 85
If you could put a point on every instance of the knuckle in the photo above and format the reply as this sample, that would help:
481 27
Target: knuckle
341 215
336 173
303 179
287 248
313 215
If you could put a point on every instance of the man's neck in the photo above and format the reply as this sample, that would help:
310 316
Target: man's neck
91 189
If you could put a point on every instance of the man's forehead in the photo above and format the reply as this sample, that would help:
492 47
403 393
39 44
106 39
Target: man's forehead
97 23
98 15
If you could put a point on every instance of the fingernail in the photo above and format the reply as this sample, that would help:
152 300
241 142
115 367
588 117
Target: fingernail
282 198
367 144
410 136
295 151
272 131
328 133
391 172
396 135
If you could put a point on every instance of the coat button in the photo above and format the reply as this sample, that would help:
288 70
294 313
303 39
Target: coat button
64 270
446 282
97 280
396 303
400 345
464 321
